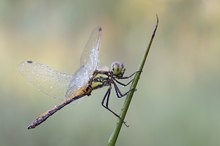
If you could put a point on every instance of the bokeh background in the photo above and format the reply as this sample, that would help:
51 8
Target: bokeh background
177 100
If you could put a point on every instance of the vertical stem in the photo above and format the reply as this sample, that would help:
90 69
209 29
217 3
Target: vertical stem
113 138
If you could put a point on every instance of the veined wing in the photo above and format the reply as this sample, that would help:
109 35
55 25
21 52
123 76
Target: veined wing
46 79
90 54
89 63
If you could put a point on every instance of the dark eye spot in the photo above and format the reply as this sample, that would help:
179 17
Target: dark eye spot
29 61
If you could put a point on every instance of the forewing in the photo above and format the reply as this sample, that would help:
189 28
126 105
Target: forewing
89 62
90 54
51 82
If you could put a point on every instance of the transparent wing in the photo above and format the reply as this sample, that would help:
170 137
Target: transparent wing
45 78
90 54
89 63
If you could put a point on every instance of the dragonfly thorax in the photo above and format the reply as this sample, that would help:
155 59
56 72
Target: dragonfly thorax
118 69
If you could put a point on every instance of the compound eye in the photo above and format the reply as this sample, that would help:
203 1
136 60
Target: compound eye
118 69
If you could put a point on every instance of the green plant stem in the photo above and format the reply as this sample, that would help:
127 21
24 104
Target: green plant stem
113 138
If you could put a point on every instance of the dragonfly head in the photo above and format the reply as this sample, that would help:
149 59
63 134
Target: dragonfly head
118 69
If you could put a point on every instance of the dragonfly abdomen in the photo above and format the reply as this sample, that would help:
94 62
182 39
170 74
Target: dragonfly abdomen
80 93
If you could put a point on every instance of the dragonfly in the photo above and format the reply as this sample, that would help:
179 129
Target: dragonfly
73 87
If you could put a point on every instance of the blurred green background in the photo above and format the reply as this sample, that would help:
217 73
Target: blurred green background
177 101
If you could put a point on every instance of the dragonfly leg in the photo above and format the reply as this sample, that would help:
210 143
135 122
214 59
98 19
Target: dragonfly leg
118 92
123 83
106 97
105 105
127 77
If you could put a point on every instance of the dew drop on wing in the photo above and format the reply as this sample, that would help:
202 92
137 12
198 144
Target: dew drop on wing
89 62
48 80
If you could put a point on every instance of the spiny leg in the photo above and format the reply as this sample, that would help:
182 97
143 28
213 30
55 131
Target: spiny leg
122 83
118 92
105 105
127 77
107 94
